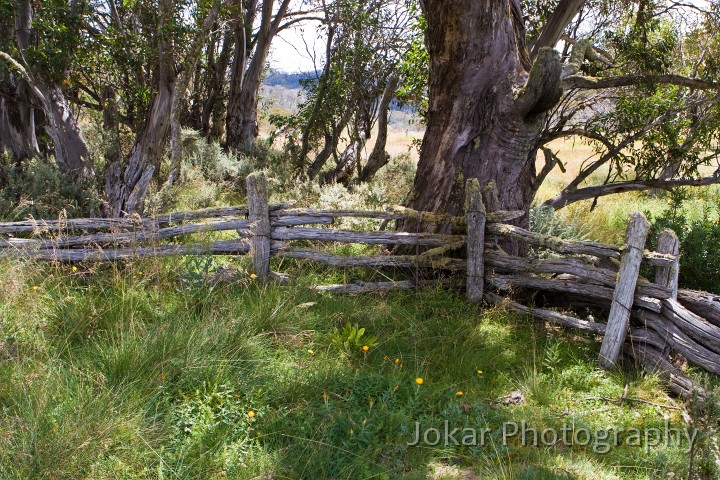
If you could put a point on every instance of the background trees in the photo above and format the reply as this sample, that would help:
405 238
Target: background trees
495 82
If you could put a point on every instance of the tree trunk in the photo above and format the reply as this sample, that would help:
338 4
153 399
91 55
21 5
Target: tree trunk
71 153
478 126
17 121
379 157
241 121
126 191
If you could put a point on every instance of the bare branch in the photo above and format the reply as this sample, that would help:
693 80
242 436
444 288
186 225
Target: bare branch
567 198
593 83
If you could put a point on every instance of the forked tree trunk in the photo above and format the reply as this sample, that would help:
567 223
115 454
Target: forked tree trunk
241 121
379 157
126 190
486 106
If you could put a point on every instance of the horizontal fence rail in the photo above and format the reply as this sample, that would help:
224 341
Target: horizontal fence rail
647 320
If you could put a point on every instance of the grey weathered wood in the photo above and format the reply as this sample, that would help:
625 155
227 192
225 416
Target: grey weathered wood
551 316
401 261
491 197
624 293
220 247
367 287
475 217
295 221
680 341
571 247
667 275
584 272
92 240
259 212
655 362
693 325
398 213
705 304
568 285
373 238
127 223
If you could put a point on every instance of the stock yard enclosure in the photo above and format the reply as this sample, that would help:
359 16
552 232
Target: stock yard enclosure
650 321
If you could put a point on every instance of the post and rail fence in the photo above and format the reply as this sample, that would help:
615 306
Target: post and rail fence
650 321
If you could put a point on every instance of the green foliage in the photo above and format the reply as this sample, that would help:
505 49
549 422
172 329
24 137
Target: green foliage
37 188
699 241
352 338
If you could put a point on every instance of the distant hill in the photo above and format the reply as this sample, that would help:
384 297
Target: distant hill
287 80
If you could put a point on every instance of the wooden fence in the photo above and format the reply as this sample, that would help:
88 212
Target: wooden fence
651 321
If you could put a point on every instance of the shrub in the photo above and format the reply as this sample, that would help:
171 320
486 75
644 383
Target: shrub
699 242
37 188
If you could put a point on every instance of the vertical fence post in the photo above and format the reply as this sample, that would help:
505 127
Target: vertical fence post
667 275
259 215
624 293
475 215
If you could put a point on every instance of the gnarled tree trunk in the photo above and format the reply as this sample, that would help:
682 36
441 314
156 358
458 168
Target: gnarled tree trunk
487 105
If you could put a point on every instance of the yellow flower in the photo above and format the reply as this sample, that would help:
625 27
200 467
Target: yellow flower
397 360
140 273
252 275
459 394
35 288
251 414
419 380
479 372
311 352
365 348
324 396
74 268
385 359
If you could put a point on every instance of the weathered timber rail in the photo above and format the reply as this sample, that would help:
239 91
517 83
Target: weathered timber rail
651 321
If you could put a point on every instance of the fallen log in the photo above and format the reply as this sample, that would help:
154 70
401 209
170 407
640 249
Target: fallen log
551 316
680 342
693 325
566 285
655 362
705 304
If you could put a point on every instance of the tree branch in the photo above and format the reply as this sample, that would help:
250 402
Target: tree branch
560 18
542 90
594 83
567 198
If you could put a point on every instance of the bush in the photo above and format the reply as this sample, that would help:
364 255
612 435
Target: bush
37 188
699 242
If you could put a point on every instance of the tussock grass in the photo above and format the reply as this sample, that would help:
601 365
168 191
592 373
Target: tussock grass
151 369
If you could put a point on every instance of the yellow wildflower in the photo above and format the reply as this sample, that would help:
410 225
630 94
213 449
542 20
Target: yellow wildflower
252 275
251 414
419 380
479 372
311 351
74 268
459 394
365 348
397 360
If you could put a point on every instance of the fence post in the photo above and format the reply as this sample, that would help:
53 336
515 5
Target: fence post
667 275
475 215
259 215
622 301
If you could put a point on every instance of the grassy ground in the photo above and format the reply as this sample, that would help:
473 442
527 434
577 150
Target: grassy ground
152 369
166 369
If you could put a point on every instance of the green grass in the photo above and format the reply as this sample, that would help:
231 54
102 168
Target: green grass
149 370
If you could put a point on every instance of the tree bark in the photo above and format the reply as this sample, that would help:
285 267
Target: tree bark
126 190
241 121
379 157
477 125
